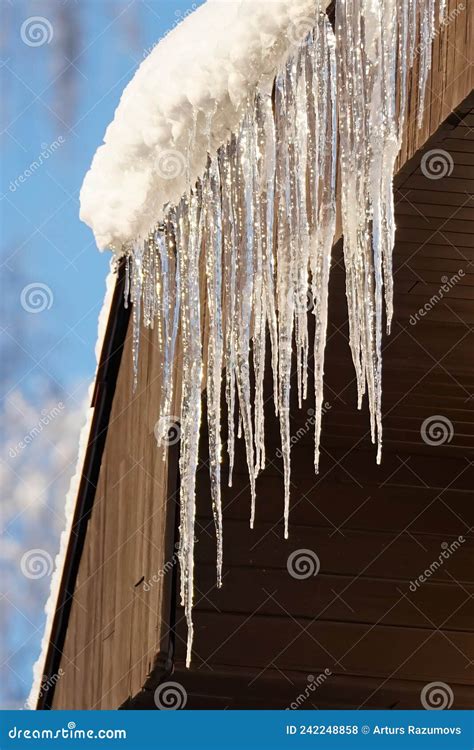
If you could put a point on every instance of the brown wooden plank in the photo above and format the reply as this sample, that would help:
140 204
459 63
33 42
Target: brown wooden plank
238 688
337 598
417 209
452 223
340 505
397 555
342 647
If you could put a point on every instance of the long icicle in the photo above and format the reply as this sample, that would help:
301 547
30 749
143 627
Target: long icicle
229 292
243 190
213 248
286 249
166 243
323 69
259 302
189 252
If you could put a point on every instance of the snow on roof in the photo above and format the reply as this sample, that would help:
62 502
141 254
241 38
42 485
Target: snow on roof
184 100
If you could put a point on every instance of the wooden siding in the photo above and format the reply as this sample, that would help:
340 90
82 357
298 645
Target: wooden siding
372 535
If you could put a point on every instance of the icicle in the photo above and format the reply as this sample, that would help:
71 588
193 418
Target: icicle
189 252
298 247
352 154
126 288
259 296
391 127
286 250
359 34
382 132
300 148
412 29
147 273
267 222
136 299
427 31
323 112
167 243
213 246
442 11
230 269
369 37
403 52
243 191
305 175
165 281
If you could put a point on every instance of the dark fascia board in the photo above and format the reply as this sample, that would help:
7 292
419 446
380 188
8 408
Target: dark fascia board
102 399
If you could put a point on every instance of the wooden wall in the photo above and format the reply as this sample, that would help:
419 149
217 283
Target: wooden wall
118 628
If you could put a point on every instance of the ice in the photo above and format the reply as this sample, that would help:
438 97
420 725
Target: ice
322 65
375 40
213 248
190 220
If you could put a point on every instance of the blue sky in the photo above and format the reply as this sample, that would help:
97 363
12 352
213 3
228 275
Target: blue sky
63 67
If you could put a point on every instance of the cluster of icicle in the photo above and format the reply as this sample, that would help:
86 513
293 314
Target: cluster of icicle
377 42
258 228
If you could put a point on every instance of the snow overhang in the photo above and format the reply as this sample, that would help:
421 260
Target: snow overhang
183 102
